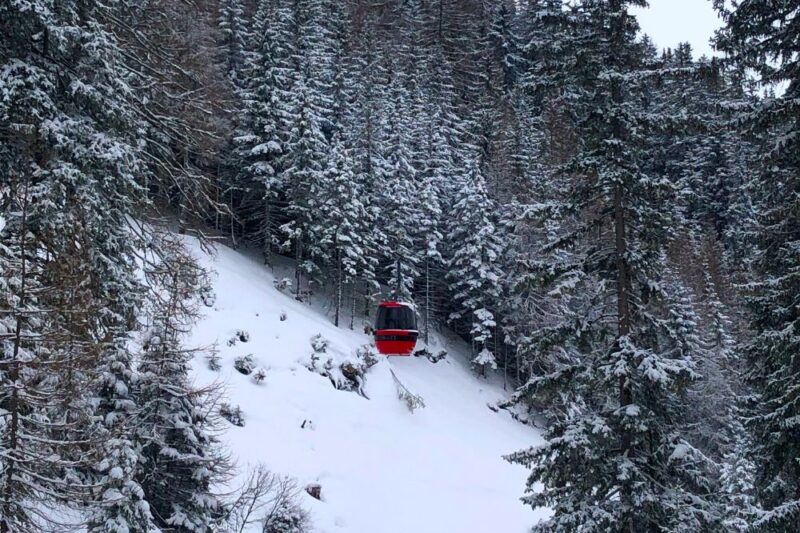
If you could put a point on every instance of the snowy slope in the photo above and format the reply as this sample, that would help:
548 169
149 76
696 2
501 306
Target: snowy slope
382 468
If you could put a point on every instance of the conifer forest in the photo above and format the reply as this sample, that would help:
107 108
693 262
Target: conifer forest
611 230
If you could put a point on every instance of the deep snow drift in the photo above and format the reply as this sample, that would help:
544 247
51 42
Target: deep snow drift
382 468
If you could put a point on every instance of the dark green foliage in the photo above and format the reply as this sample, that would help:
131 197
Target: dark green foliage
763 36
621 347
181 460
584 209
69 183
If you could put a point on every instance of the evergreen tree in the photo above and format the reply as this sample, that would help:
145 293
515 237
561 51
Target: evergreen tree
544 42
616 457
307 161
711 414
430 237
359 90
736 481
764 37
347 222
309 146
473 264
442 129
72 167
397 181
122 506
180 459
262 142
504 43
233 27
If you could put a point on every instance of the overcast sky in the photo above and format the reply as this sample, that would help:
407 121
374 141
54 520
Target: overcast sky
669 22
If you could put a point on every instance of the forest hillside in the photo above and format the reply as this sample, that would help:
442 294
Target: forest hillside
611 228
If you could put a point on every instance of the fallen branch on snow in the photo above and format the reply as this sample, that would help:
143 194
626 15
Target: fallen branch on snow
413 401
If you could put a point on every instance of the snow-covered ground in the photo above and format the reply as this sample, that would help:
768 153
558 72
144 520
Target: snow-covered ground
382 468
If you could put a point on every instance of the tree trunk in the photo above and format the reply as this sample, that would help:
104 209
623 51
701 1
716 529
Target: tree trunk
182 224
353 303
298 276
398 280
338 286
267 247
617 38
233 222
10 500
217 188
427 299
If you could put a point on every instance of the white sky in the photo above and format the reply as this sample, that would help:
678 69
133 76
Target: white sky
669 22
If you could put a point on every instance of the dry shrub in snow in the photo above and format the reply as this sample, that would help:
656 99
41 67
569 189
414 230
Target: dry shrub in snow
232 413
283 284
319 343
424 352
244 364
348 374
239 336
213 362
259 376
269 503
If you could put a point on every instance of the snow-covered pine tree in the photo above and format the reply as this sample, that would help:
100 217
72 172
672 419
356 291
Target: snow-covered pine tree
766 38
71 167
504 43
529 144
526 223
180 458
543 43
398 214
702 151
121 505
347 224
707 160
309 144
443 131
711 415
362 91
412 56
234 29
473 262
430 236
616 458
363 73
307 159
737 475
261 143
484 360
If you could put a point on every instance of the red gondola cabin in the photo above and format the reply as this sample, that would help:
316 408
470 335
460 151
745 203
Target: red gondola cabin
396 328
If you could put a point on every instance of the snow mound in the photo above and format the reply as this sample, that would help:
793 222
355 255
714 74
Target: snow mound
382 467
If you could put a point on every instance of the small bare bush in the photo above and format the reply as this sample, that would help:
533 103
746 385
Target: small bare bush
270 503
232 413
283 284
259 376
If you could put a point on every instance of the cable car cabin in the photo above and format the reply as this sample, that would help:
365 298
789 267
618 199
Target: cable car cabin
396 328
